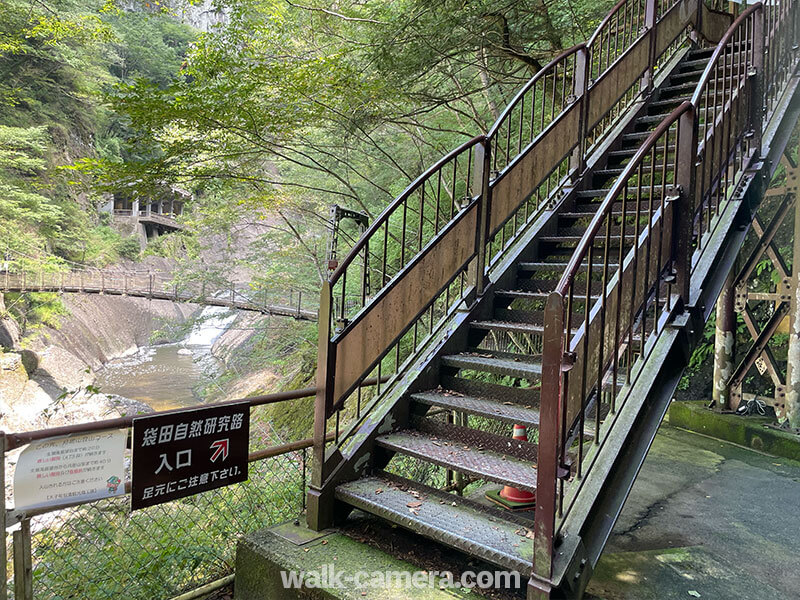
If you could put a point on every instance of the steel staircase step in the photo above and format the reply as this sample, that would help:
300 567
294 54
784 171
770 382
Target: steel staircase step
679 88
442 517
651 119
686 76
514 327
599 194
591 210
695 64
702 52
524 396
638 136
530 295
668 102
496 363
455 455
575 239
559 267
489 408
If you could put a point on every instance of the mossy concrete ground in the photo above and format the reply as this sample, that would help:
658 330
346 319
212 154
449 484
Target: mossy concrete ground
745 431
705 519
262 556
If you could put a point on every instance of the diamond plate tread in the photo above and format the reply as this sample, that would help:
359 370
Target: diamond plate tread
490 362
454 455
443 518
575 239
514 327
526 295
502 393
558 267
484 407
525 451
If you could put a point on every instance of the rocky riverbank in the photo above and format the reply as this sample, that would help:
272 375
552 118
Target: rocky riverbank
48 381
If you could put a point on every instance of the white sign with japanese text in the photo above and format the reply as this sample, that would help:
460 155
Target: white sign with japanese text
73 468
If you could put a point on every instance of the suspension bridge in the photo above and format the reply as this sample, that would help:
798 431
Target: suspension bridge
158 286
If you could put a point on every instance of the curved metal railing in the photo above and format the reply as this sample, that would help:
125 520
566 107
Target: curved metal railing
728 115
537 104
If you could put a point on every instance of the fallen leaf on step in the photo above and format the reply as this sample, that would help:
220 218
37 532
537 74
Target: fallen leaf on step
414 504
694 593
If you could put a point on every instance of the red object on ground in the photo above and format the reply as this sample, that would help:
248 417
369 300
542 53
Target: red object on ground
510 493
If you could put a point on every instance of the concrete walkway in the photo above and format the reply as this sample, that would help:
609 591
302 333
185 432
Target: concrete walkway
706 519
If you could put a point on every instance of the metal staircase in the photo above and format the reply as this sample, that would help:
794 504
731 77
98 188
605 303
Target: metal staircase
553 273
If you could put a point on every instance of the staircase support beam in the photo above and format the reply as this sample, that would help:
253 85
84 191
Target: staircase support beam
724 345
793 368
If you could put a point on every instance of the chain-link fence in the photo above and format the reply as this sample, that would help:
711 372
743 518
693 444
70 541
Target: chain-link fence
97 550
101 550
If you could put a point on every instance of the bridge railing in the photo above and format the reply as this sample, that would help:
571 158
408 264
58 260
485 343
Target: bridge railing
633 268
163 286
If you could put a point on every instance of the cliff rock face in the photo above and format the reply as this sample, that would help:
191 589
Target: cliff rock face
9 331
100 328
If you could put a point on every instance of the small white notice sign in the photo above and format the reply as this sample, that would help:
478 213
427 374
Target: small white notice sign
72 468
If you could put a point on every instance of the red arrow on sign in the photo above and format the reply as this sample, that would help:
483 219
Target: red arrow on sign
219 447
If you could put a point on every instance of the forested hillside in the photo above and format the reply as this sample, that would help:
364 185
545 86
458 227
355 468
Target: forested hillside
272 114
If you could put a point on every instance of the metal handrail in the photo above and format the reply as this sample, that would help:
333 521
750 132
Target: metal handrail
387 212
605 209
543 72
712 66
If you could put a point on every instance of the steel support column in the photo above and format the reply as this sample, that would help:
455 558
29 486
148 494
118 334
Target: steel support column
792 411
724 345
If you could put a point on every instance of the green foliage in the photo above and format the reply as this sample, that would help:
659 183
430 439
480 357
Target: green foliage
129 248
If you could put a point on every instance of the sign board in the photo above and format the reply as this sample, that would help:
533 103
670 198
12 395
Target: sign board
73 468
184 453
761 365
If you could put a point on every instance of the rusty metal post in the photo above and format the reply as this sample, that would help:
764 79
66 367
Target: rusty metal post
23 566
724 345
539 586
682 217
580 91
483 153
320 507
757 83
650 25
793 366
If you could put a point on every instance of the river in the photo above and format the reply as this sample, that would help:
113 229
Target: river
169 375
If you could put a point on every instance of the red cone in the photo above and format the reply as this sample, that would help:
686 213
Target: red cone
510 497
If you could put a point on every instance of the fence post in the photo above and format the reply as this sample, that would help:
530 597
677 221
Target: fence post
23 568
299 300
320 505
483 153
4 547
581 91
683 207
150 278
24 280
549 439
650 25
757 87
